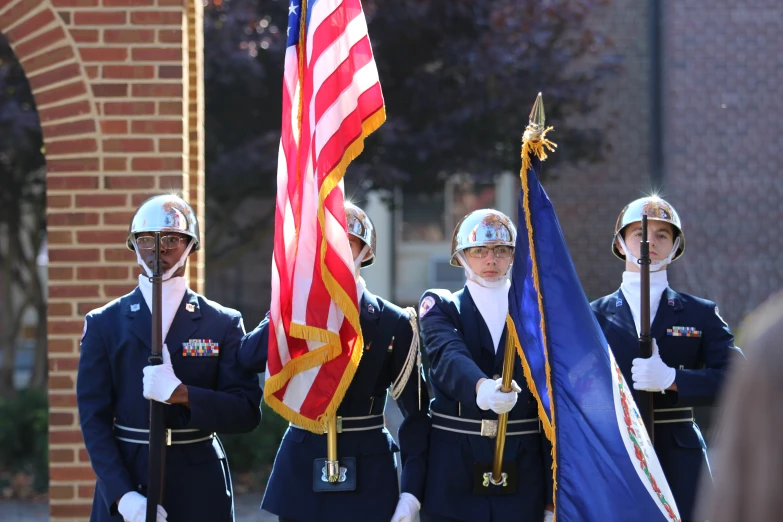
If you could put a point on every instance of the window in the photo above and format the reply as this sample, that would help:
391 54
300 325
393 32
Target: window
422 217
431 217
465 196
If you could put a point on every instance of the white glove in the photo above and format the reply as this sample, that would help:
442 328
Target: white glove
133 508
159 380
489 396
548 516
652 374
407 508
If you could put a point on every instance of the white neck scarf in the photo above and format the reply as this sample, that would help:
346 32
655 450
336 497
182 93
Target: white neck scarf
361 286
173 291
631 289
492 303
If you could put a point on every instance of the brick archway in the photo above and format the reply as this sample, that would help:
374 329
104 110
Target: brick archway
119 89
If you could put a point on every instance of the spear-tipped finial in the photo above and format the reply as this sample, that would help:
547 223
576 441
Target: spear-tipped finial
534 142
537 116
537 121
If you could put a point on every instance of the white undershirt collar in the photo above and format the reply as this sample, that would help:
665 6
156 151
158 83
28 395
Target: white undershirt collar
631 289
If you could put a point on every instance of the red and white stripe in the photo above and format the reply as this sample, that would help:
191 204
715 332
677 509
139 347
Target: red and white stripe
329 94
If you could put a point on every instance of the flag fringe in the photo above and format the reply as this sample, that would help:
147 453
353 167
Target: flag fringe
538 148
531 384
337 293
316 357
350 310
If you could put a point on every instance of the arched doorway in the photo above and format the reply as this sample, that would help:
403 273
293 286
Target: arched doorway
120 123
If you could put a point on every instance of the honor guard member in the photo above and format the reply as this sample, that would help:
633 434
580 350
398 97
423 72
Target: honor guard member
463 334
391 357
692 344
201 382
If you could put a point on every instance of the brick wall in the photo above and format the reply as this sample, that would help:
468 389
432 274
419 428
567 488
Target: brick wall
724 136
193 188
589 197
117 87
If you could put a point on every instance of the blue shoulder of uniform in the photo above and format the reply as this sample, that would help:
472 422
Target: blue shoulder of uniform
600 303
701 306
605 302
441 293
113 306
218 308
438 297
692 300
393 308
402 317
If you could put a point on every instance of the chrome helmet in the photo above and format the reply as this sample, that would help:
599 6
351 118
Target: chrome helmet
359 225
484 227
657 210
165 213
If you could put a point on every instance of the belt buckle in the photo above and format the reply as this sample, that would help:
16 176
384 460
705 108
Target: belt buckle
339 424
168 437
489 428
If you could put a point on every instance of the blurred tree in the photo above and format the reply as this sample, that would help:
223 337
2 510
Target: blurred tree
243 75
458 77
22 219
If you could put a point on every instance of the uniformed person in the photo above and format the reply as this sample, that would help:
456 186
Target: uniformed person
692 344
463 334
201 382
390 347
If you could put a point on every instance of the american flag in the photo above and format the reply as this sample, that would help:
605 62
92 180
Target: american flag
331 101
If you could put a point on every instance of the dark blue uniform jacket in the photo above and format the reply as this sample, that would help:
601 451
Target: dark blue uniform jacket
223 397
289 492
460 351
701 361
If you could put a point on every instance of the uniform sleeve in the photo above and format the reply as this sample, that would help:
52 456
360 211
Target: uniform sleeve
452 368
254 348
599 314
234 406
95 400
413 434
700 387
595 306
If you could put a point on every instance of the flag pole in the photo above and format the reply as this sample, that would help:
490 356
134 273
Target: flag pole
497 477
332 464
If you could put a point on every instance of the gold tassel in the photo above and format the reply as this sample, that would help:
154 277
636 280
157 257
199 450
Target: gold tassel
535 145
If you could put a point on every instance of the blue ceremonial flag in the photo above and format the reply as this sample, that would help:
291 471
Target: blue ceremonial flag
604 465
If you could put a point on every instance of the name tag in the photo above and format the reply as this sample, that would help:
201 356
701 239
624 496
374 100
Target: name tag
683 331
200 348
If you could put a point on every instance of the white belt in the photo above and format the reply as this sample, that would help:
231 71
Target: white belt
169 433
346 424
483 427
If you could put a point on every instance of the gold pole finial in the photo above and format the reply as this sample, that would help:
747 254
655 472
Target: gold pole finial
534 139
537 119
